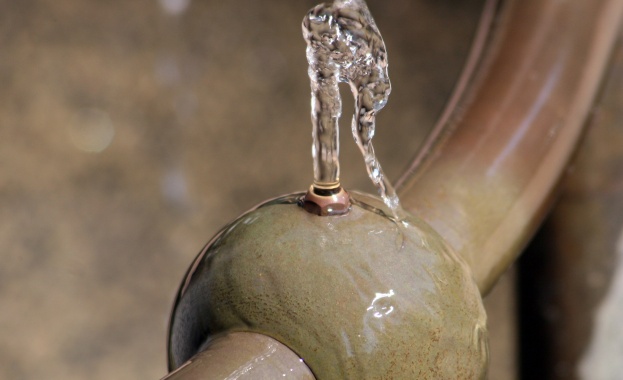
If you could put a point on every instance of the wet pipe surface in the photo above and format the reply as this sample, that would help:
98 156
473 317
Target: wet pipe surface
358 296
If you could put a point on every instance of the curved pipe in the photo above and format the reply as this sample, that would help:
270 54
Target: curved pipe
487 175
243 356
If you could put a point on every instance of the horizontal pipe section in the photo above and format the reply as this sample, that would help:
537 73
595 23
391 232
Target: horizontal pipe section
243 356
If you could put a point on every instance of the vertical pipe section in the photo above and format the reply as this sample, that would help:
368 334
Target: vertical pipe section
487 178
570 275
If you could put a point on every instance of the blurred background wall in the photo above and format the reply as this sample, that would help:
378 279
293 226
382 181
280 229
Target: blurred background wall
131 131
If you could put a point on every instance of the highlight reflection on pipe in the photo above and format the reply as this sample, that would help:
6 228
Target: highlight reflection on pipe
488 177
377 310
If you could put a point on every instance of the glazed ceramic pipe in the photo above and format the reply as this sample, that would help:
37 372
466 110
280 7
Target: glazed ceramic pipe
485 178
357 296
482 182
243 356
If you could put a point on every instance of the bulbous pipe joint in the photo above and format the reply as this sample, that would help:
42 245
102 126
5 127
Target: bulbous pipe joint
355 296
326 201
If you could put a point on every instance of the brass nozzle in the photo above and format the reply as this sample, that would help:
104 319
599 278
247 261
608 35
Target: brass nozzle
326 202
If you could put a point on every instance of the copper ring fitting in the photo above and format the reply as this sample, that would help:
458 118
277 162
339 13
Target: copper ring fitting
326 202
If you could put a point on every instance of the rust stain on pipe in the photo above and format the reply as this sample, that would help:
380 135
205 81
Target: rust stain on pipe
488 176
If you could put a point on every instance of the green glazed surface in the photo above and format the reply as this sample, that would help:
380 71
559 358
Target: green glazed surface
356 296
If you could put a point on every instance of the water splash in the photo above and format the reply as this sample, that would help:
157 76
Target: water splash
345 45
